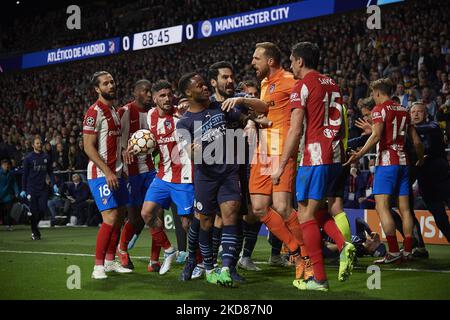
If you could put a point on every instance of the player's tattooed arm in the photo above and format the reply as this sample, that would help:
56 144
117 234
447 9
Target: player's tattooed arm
261 120
251 103
90 142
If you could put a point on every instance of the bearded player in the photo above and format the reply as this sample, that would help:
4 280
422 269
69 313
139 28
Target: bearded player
141 171
173 182
102 144
273 203
221 77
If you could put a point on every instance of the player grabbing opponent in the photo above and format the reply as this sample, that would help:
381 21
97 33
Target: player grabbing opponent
202 131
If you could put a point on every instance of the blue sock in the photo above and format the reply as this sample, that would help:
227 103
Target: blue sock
276 244
230 243
204 240
193 238
240 240
250 236
216 238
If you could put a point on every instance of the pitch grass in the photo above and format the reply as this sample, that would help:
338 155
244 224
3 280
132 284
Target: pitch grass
38 276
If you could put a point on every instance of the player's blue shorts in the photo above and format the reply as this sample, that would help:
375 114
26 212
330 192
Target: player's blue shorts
106 199
164 193
313 182
138 186
210 193
391 180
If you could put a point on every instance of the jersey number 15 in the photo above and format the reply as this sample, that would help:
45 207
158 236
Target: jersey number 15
332 103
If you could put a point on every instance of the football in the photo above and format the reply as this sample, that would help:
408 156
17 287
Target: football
142 142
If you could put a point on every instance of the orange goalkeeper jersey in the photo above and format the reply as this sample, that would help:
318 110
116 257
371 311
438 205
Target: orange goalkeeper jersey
276 91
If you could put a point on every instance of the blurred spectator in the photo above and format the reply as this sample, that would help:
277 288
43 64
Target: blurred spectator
402 95
57 200
429 103
81 158
60 159
361 88
78 194
8 192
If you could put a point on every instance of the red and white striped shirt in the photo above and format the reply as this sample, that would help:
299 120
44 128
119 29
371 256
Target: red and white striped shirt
104 122
319 96
133 119
391 147
174 165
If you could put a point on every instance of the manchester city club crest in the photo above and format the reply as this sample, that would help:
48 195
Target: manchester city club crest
272 88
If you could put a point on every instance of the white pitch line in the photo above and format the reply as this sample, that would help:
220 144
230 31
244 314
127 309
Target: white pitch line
256 262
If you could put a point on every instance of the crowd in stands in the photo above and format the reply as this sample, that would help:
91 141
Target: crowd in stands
46 29
412 48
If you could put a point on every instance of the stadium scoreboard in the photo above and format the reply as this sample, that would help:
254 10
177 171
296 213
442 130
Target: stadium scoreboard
181 33
154 38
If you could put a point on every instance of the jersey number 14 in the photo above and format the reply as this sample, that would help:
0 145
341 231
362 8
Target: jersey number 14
398 131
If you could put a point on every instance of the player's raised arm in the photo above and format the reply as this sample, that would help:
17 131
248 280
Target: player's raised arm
252 103
377 131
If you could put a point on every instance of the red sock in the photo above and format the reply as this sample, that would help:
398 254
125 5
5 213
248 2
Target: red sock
407 244
313 242
103 236
198 256
161 238
327 223
294 227
393 244
276 225
126 236
113 242
156 250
